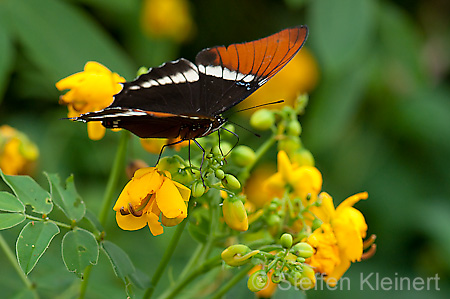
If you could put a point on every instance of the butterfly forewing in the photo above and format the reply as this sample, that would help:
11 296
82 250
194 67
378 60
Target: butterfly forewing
245 67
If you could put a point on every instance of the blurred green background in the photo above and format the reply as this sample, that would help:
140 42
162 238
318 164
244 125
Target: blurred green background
378 119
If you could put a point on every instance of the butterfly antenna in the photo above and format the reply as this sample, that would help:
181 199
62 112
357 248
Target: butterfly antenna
262 105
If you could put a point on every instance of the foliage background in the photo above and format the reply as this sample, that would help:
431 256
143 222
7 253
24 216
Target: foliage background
379 119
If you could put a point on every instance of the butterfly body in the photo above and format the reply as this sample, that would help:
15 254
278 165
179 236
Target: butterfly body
185 100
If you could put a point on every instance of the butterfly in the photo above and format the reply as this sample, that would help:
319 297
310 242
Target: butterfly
185 100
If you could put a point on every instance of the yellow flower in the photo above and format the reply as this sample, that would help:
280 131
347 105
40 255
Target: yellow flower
90 90
17 152
300 75
167 18
339 240
302 181
149 194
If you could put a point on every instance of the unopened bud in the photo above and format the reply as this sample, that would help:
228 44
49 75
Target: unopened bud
198 189
286 240
234 214
243 155
303 250
257 281
262 119
238 255
231 182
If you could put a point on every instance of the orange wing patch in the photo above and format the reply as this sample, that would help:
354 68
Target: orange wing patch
263 57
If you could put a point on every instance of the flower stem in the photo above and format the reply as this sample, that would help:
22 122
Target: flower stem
236 278
113 179
258 155
11 257
116 170
165 259
182 283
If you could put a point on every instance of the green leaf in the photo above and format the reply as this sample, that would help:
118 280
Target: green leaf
47 32
10 203
8 220
341 31
29 192
67 199
79 250
32 242
122 265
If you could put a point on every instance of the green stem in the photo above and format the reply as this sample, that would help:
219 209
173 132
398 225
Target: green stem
258 155
111 186
48 220
215 218
12 258
192 261
182 283
116 170
236 278
165 259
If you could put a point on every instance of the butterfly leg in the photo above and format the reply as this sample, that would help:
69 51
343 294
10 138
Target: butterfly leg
235 135
189 156
164 146
203 160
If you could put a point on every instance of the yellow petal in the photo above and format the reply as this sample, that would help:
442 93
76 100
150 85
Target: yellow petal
95 67
325 211
154 225
142 186
130 222
71 82
348 238
143 171
284 165
275 185
169 200
337 273
306 180
184 191
96 130
124 198
352 200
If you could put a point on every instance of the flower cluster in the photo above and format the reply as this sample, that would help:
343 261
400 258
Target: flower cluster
17 152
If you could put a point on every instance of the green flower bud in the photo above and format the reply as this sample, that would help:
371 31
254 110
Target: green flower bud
219 174
198 189
238 255
243 155
229 127
273 220
289 144
286 240
231 182
302 157
234 214
294 128
142 70
303 250
307 279
316 224
257 281
262 119
276 277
